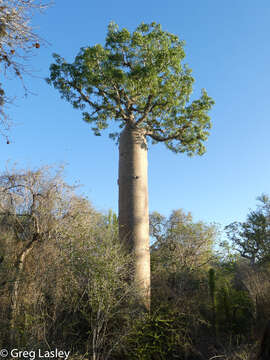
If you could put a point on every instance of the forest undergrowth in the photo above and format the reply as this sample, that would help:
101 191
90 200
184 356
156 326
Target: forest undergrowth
66 281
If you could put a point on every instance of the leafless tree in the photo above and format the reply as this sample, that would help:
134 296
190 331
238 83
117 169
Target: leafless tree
18 39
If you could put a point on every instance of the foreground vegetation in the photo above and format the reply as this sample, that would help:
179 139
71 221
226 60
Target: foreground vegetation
65 280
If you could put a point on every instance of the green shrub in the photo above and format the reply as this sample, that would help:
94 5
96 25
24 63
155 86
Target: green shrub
160 336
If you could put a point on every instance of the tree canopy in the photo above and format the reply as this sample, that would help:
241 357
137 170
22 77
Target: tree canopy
251 238
180 241
137 79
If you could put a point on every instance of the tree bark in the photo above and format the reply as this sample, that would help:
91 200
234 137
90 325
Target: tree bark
133 204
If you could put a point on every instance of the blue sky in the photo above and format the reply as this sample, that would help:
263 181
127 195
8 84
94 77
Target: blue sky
227 47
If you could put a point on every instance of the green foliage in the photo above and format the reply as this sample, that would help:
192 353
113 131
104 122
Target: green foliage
181 243
234 310
252 237
233 304
138 79
159 336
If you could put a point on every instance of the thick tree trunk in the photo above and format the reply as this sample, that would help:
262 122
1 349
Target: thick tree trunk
133 204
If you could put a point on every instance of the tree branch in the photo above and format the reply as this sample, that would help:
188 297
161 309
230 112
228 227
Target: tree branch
147 109
161 138
118 100
85 97
176 136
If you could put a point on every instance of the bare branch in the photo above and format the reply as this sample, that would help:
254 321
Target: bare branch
17 41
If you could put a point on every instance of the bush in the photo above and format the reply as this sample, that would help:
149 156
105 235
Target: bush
161 336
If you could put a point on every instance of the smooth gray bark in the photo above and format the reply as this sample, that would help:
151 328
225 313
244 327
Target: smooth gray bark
133 204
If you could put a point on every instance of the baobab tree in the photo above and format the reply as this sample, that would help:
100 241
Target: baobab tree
138 80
